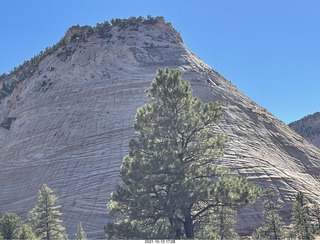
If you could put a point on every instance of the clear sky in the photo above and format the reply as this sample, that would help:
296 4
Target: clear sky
269 49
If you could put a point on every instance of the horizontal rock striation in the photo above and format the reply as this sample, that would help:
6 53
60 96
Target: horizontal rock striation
71 122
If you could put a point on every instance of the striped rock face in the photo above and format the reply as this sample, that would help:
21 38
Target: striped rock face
71 122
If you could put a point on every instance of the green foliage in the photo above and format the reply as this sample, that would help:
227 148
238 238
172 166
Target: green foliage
44 217
308 126
301 218
103 30
172 185
223 224
315 214
80 235
9 223
133 230
24 232
12 228
272 225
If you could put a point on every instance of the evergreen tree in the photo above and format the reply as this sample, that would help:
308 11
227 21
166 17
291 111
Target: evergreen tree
224 224
272 225
80 235
172 185
301 218
8 224
44 217
24 233
315 213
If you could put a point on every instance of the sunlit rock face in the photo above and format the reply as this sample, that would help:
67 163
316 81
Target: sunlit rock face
71 121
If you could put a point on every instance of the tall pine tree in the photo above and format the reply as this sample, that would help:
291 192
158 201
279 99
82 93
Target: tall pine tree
315 213
301 218
45 216
223 224
272 224
172 184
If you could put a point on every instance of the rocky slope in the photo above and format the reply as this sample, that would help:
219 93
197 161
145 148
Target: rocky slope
70 121
309 128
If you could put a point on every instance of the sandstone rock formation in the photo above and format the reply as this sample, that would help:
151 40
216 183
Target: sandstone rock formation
70 122
309 128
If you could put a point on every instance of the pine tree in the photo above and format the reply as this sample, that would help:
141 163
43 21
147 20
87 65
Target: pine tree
44 217
224 224
172 183
272 224
8 224
315 213
80 235
24 233
301 218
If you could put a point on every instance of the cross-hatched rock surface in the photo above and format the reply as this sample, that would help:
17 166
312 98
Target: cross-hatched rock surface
71 123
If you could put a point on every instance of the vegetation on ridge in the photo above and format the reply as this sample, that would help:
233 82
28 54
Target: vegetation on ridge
308 126
9 81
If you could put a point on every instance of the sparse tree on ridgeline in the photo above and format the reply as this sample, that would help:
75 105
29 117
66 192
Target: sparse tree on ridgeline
172 184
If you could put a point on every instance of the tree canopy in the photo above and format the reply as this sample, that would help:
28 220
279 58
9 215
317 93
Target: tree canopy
80 235
9 223
45 216
172 184
272 224
301 218
24 232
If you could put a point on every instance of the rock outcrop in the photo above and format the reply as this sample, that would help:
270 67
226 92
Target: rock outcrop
69 123
309 128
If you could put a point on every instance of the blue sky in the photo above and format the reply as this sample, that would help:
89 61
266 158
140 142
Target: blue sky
269 49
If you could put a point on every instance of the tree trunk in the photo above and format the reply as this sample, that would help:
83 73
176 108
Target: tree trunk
188 227
274 230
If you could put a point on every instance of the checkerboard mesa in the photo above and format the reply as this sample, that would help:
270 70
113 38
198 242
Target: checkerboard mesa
75 107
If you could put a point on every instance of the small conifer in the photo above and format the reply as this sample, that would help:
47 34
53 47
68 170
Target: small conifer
45 216
272 224
80 235
301 218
